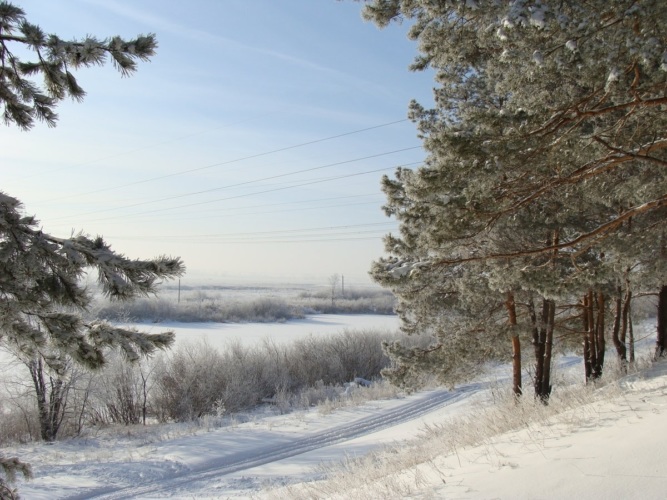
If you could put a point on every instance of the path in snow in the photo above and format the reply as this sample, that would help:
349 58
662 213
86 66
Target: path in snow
261 455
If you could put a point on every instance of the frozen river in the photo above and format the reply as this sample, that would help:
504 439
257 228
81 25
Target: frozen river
219 334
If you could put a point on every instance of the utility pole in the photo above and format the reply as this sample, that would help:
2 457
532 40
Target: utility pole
342 285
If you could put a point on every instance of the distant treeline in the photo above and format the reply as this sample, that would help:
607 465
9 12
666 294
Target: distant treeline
203 305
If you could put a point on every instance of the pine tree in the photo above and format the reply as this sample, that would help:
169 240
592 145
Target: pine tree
42 297
546 160
54 60
40 279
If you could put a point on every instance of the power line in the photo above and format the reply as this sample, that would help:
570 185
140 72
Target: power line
239 211
285 233
300 209
245 183
278 231
298 202
235 160
309 183
282 241
311 239
148 146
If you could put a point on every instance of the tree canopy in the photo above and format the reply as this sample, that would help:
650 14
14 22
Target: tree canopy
545 175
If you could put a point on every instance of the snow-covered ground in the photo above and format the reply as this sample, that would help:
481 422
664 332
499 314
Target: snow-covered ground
611 447
219 335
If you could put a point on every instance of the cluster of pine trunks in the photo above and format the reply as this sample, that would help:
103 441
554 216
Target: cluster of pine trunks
593 307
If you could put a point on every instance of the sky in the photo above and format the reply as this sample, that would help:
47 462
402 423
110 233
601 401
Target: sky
252 145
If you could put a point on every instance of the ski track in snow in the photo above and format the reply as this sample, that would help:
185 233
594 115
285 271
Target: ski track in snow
262 455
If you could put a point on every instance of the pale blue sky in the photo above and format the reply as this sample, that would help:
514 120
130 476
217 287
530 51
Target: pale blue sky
223 148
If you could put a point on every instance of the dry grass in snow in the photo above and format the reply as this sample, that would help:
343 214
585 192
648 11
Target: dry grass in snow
589 441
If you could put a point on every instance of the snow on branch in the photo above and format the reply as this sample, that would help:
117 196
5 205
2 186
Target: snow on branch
601 229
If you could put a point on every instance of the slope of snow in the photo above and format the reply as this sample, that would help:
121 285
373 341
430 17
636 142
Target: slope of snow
610 448
617 452
279 448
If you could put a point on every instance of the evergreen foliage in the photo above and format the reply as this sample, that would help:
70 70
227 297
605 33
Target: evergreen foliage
54 60
41 295
545 180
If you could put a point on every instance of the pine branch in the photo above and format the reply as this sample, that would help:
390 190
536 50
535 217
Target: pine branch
602 229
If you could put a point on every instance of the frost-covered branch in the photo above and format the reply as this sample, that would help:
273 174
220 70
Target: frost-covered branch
600 230
11 468
22 99
42 297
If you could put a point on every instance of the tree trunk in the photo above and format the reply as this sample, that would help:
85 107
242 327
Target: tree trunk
631 340
538 347
539 334
37 374
626 326
51 400
594 340
588 349
661 342
621 350
516 345
543 342
599 334
548 348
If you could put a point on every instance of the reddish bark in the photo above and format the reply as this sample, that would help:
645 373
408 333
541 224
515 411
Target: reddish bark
593 306
661 342
548 347
510 305
621 349
543 343
599 334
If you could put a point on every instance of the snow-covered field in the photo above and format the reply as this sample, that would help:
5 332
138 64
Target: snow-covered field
608 447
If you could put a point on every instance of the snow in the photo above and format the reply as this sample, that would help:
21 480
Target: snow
219 335
616 453
537 17
262 450
614 75
609 448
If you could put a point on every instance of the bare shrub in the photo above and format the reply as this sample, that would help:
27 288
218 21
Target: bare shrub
39 404
261 310
212 305
338 358
243 385
353 301
19 422
316 395
195 378
188 382
121 392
